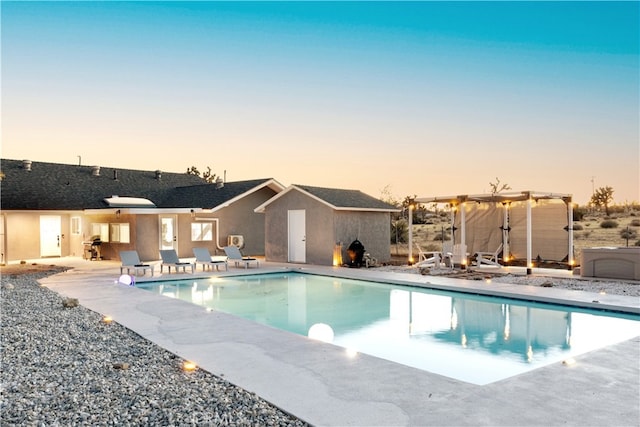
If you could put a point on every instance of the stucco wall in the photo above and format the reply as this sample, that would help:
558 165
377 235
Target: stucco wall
371 228
324 229
240 219
22 235
319 229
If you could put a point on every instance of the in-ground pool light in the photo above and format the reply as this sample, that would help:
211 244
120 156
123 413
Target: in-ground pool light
321 332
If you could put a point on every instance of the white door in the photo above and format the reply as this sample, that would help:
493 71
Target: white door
50 236
168 232
297 237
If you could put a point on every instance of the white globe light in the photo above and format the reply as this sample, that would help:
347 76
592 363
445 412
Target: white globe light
125 279
321 332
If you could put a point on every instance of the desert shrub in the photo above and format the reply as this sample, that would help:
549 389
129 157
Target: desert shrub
586 234
609 223
399 231
438 237
577 227
637 243
579 213
635 223
628 233
432 247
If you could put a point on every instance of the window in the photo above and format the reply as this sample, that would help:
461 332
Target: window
201 231
76 225
100 230
119 232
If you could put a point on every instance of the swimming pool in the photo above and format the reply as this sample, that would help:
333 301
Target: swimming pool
471 338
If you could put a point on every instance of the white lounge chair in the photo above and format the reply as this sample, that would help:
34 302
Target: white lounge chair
131 261
234 255
429 259
488 258
170 259
204 257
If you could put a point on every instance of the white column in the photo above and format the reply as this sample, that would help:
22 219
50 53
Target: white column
411 234
529 263
463 231
570 213
505 234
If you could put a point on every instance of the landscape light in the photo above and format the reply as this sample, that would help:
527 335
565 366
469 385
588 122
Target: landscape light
351 352
127 280
188 366
107 319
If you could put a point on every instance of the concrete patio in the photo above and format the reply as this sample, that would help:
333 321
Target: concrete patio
320 384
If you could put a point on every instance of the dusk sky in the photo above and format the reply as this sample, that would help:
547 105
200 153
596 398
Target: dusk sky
421 98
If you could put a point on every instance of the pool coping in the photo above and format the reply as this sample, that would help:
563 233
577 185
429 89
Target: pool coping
306 377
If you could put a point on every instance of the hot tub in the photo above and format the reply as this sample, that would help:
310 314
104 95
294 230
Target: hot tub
611 262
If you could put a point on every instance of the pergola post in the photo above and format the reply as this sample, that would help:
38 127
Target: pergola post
570 259
529 263
411 234
505 233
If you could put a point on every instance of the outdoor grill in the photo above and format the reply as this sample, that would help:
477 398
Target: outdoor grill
92 248
356 253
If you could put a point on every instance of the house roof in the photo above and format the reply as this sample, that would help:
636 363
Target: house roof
337 199
52 186
213 197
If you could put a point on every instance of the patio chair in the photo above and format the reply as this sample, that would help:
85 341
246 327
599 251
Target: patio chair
459 255
488 258
170 259
204 257
234 255
454 255
429 259
131 261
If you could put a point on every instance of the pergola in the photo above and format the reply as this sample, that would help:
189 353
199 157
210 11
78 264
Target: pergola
518 220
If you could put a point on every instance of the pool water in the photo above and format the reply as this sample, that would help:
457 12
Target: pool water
476 339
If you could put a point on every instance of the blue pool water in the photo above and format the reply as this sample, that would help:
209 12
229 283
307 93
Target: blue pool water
468 337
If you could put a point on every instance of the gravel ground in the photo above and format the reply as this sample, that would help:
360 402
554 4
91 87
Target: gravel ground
609 286
63 366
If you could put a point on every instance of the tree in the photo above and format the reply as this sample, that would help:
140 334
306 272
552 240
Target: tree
496 187
602 197
207 176
387 197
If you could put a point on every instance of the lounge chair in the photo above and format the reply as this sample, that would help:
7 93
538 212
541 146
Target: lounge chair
170 259
131 261
234 255
429 259
488 258
204 257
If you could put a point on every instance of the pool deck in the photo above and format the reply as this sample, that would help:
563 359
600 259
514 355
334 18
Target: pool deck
322 385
